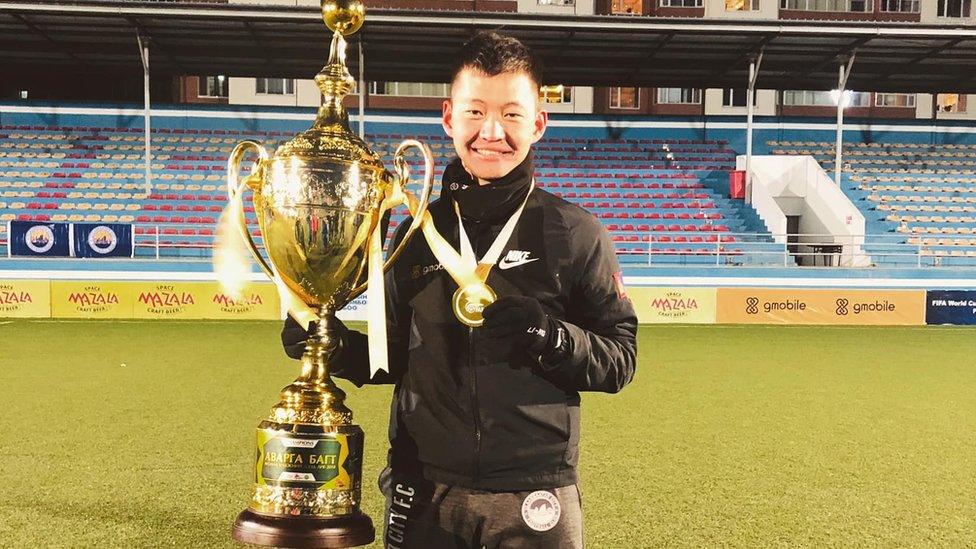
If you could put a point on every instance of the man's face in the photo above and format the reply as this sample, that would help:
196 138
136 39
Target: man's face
493 120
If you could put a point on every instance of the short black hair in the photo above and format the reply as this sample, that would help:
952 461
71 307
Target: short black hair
493 54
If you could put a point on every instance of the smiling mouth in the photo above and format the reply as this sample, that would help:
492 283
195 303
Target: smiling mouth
487 153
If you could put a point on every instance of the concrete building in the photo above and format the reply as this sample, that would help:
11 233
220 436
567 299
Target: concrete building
632 100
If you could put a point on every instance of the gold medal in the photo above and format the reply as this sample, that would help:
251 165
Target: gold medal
473 293
470 301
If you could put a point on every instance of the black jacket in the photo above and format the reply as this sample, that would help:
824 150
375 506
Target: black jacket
481 413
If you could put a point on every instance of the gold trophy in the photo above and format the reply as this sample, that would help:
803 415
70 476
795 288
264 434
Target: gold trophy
319 202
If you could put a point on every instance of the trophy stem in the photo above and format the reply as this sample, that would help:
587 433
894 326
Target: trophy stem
320 348
314 397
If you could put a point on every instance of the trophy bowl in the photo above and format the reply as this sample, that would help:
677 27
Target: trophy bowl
315 208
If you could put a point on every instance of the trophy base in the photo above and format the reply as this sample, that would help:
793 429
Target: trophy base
345 531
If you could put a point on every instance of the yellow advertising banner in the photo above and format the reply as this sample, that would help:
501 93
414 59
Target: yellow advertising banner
185 300
25 298
91 299
820 306
258 302
673 305
154 299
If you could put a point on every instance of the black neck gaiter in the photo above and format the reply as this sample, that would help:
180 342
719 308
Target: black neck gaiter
498 199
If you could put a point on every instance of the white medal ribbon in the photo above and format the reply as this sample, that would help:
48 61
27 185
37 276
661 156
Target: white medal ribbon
468 260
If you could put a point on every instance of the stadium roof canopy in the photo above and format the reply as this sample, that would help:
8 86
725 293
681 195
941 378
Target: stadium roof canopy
81 36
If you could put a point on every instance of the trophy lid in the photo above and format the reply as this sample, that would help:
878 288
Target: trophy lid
330 138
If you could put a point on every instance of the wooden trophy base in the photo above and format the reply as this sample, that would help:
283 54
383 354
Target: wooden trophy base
299 532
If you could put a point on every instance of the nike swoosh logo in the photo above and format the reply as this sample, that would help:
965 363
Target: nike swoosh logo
505 264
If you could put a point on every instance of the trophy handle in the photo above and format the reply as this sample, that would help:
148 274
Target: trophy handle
403 176
235 190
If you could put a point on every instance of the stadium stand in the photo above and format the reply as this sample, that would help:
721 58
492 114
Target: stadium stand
923 195
649 193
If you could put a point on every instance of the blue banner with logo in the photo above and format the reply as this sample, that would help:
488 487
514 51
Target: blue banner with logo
950 307
38 238
102 240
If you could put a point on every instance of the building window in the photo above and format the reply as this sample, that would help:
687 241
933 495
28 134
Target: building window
557 2
903 100
556 94
274 86
410 89
735 98
624 98
802 98
806 98
901 6
212 86
951 102
954 8
828 5
625 7
681 3
679 96
741 5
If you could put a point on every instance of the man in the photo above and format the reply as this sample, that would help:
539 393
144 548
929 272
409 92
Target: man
484 426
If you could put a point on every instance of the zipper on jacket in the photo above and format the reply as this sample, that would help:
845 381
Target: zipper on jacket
474 405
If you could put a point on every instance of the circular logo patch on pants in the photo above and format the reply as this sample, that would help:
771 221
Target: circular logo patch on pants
540 510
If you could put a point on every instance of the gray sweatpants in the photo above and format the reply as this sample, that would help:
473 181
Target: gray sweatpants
430 515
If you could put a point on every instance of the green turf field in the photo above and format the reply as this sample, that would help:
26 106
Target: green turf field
139 434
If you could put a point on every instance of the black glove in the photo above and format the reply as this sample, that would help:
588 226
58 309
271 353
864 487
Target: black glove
293 337
522 318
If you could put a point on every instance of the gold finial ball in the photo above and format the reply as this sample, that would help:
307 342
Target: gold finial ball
345 16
